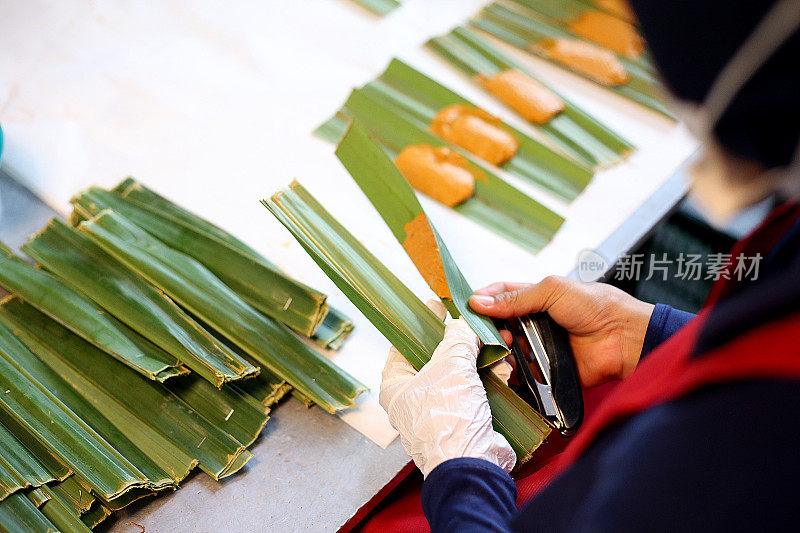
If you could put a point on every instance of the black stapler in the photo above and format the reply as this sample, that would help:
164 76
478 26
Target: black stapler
546 370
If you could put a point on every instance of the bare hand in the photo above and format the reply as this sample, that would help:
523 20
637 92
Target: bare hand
606 326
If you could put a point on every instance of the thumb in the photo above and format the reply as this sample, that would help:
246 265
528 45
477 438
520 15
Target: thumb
526 299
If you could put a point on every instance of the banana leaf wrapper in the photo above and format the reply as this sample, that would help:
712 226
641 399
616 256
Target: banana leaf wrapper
189 283
335 326
573 130
162 432
393 309
395 201
84 318
536 23
524 32
401 103
83 265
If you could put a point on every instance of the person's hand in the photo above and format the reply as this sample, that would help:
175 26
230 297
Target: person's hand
442 412
606 326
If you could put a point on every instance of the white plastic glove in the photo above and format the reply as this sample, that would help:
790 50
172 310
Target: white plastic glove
442 412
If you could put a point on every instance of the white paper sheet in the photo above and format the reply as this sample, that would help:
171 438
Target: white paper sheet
212 104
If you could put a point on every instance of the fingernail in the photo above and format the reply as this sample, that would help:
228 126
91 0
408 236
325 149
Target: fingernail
483 299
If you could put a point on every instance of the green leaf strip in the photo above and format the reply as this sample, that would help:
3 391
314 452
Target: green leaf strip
60 514
19 468
334 330
18 514
96 516
82 264
74 495
84 318
266 388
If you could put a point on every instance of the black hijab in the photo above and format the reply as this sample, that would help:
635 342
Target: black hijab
692 40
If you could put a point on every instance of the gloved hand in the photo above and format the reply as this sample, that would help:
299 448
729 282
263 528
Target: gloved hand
442 412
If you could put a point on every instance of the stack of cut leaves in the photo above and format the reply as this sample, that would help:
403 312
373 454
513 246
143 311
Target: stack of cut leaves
560 120
248 273
590 42
405 321
405 107
145 343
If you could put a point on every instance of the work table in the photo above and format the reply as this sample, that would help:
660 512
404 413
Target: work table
311 471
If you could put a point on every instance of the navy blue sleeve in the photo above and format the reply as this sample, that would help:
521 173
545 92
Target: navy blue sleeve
664 322
721 459
468 495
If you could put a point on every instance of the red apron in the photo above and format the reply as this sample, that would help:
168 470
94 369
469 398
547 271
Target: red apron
668 373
